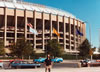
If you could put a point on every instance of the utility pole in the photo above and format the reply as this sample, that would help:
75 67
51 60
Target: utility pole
99 37
90 37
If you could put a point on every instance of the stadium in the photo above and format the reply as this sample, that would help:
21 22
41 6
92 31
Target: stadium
15 16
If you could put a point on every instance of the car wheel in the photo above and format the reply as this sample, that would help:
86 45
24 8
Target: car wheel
0 67
58 61
18 67
35 62
35 67
38 66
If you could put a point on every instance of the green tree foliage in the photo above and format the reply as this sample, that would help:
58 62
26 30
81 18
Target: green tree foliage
2 51
54 48
22 48
91 51
94 49
84 48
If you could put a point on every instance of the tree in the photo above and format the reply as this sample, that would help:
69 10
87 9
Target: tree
54 48
22 48
84 48
2 51
91 51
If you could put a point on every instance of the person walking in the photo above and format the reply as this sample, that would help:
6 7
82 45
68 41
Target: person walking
48 64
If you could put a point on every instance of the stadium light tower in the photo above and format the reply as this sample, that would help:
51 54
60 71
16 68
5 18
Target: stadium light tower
99 37
90 37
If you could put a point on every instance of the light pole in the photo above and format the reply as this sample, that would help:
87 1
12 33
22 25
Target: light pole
99 37
89 36
90 40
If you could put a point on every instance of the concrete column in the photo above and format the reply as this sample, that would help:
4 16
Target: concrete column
43 29
84 31
35 29
64 33
50 17
25 18
77 35
5 25
69 33
74 35
57 26
81 32
15 13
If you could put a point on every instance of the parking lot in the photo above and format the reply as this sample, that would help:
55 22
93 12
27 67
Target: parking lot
66 66
85 69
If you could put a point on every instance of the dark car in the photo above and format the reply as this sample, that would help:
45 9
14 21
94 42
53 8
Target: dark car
24 64
84 63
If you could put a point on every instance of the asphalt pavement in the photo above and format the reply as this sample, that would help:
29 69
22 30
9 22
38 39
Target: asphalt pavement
66 66
85 69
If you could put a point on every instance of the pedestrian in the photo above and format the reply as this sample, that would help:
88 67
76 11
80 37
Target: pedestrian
48 63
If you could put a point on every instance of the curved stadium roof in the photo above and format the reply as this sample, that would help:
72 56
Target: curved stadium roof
32 7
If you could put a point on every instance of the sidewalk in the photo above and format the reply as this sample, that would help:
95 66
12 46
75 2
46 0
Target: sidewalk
85 69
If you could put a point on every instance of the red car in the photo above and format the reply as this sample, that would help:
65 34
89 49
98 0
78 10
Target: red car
15 60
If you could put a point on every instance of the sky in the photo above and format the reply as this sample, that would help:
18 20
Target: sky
86 10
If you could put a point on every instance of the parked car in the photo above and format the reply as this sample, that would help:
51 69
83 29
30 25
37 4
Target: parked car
84 63
58 60
15 60
41 60
1 64
24 64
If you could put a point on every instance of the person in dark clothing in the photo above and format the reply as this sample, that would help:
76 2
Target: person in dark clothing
48 64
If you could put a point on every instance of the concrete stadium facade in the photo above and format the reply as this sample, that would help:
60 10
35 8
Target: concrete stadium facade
14 17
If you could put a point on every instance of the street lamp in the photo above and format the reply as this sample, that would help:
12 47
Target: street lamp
89 36
99 37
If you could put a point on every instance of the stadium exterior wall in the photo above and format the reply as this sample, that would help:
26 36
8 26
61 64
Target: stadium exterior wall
13 24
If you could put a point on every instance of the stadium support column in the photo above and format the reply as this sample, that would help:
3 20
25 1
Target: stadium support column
64 33
80 31
35 29
43 27
57 26
15 25
50 17
77 35
74 35
5 25
84 31
25 18
69 33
